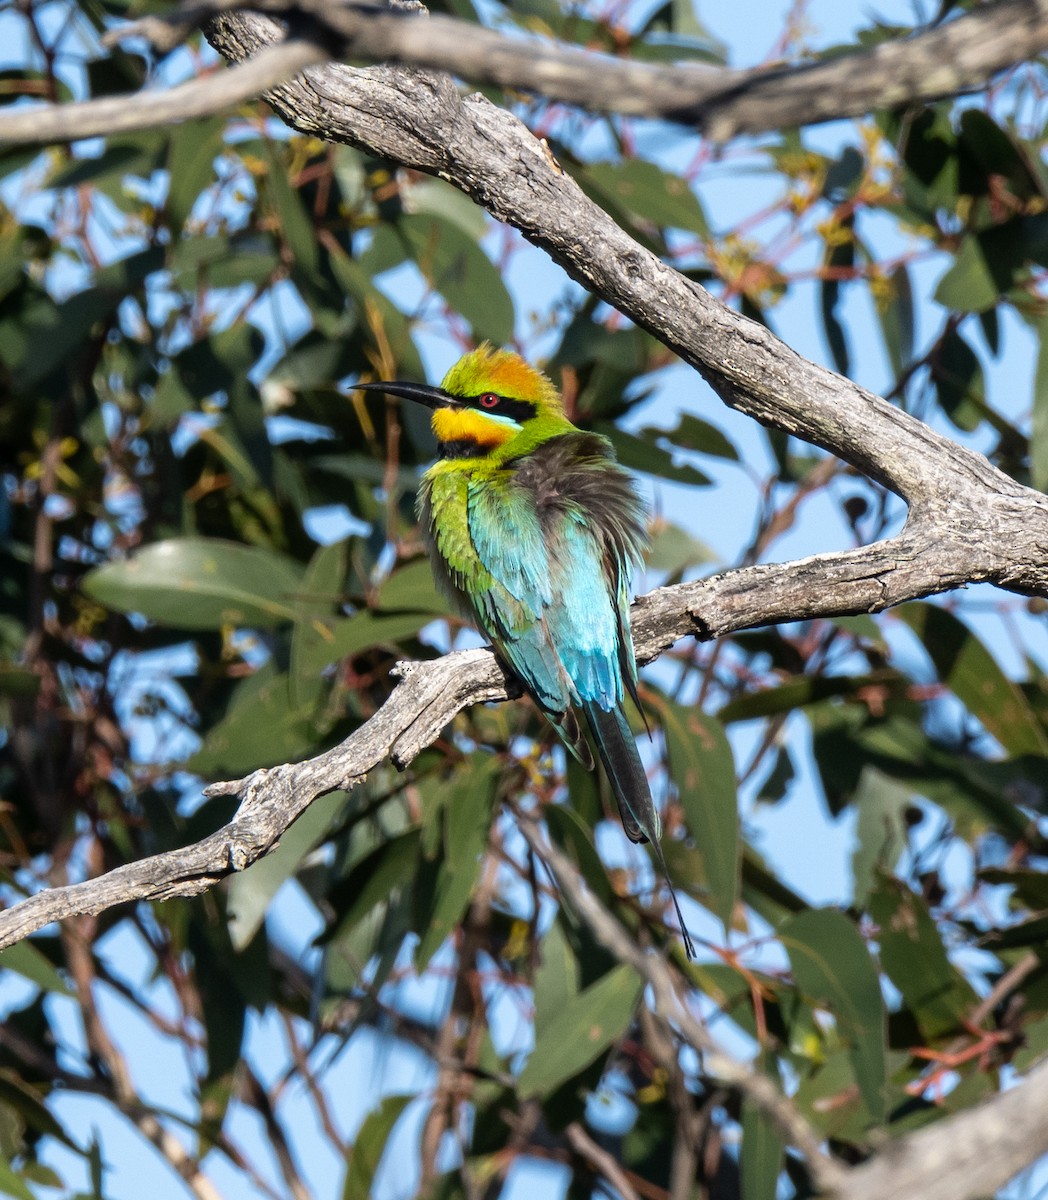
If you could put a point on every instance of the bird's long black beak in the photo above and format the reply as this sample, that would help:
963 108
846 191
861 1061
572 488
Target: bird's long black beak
421 393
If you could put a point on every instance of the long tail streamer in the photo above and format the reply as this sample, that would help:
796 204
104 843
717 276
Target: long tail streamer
640 818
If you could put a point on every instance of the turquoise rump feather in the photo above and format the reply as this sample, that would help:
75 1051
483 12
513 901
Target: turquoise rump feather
534 531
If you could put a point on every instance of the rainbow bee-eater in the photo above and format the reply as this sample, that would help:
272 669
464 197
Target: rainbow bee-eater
534 530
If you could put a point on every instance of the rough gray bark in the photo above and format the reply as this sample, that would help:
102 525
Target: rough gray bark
433 693
968 1155
44 124
964 513
720 103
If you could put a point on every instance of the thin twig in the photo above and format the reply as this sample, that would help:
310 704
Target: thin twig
113 115
827 1174
600 1160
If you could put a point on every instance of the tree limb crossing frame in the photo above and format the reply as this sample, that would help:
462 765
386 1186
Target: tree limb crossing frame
719 102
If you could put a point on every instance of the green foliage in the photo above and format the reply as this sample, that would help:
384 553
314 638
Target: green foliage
832 966
200 583
370 1144
761 1153
700 761
209 564
581 1027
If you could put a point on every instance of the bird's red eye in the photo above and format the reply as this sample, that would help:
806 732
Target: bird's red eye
488 400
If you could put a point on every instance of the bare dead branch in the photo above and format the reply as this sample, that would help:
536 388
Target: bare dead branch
603 1163
955 57
47 123
828 1175
721 103
433 693
965 1156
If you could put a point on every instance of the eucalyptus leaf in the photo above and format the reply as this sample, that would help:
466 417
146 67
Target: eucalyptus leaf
454 264
585 1026
651 194
914 958
704 773
761 1154
968 668
200 583
31 963
370 1145
832 966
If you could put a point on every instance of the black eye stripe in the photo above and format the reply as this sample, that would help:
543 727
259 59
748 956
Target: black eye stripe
505 406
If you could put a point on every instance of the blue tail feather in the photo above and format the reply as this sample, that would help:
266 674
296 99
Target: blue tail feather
629 781
625 771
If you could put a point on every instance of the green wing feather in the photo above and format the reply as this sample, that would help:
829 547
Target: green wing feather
539 553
